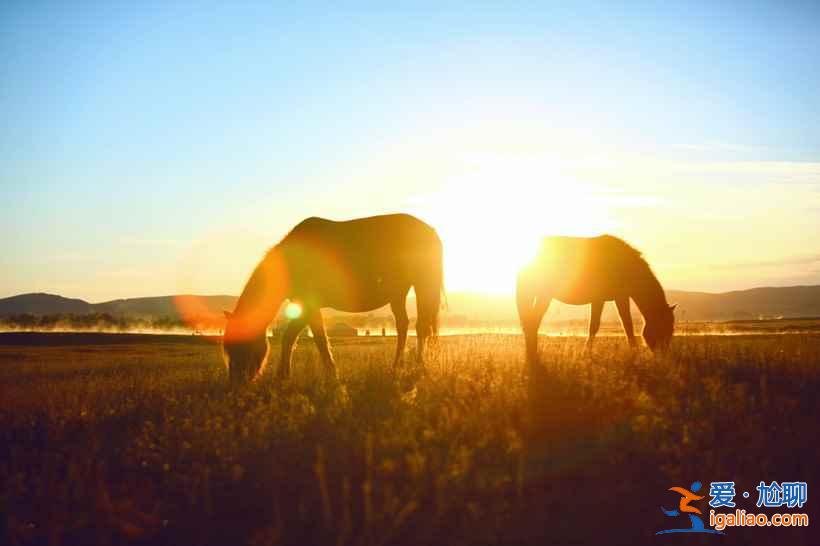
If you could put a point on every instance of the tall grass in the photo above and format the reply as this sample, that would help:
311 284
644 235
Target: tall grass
111 444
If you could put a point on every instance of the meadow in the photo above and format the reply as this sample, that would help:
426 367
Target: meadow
120 439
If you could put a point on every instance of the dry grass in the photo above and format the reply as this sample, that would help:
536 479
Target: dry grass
144 442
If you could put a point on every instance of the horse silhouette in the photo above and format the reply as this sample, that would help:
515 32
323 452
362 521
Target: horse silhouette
354 266
581 270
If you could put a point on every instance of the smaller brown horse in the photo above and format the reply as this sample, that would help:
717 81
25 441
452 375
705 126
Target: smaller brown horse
580 270
354 266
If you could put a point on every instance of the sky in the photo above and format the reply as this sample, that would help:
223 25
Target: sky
155 148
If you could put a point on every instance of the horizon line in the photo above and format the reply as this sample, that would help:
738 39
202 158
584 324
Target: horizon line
460 292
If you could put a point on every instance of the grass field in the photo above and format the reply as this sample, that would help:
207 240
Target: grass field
110 439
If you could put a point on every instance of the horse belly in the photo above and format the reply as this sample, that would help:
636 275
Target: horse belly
356 299
580 289
351 291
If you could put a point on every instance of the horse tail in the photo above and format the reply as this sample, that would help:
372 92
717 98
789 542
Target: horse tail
438 278
430 290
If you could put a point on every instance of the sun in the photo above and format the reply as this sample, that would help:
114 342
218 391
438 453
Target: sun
492 219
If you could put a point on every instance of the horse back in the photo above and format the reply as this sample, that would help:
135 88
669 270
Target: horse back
389 237
361 263
579 270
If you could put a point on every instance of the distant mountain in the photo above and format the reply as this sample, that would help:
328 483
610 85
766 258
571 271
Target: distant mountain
144 308
43 304
770 302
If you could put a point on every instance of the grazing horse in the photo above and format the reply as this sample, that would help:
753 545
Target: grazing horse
580 270
354 266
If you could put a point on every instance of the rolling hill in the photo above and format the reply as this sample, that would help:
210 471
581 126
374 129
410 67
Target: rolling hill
43 304
767 302
143 308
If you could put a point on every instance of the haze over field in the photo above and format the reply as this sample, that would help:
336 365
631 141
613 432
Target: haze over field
162 151
463 309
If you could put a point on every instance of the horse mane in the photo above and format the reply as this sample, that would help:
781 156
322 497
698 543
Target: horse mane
262 282
612 245
296 229
616 250
254 288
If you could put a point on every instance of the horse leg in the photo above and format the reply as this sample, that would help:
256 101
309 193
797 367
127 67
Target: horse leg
626 319
427 305
402 322
531 310
539 309
292 331
594 321
317 327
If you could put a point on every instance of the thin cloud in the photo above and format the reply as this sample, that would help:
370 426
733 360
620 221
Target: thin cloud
147 241
796 260
715 146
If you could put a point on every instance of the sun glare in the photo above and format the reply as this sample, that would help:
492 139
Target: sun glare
492 219
293 310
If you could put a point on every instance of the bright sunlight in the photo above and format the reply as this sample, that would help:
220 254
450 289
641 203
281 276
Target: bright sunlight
493 215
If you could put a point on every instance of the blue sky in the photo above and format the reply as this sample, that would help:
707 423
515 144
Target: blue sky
150 148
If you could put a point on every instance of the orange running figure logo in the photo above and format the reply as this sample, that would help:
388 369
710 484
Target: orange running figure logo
684 508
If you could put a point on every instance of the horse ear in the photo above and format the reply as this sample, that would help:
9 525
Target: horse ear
672 307
228 314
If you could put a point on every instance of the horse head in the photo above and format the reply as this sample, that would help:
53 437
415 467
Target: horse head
245 349
657 331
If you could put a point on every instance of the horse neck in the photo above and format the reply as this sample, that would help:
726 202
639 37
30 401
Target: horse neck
648 294
263 293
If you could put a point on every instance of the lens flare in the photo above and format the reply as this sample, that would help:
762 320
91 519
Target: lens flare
198 315
293 310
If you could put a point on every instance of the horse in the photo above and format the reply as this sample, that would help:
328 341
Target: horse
592 270
353 266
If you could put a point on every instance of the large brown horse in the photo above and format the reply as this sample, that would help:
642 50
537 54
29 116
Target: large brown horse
358 265
578 271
